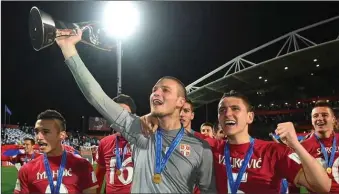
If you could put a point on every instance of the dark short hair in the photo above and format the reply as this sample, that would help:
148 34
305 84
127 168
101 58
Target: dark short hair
191 103
125 99
29 139
51 115
236 94
216 126
323 103
207 124
182 92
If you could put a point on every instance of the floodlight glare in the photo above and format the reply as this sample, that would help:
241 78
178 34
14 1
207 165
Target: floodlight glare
121 18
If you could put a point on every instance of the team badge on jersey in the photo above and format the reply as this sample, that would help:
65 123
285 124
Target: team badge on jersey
185 149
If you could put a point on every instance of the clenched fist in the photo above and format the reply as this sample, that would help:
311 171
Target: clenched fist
287 134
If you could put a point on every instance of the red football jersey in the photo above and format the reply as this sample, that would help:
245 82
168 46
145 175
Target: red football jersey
269 163
68 148
313 147
107 158
78 175
24 158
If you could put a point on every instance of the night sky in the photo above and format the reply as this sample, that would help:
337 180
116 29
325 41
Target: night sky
181 39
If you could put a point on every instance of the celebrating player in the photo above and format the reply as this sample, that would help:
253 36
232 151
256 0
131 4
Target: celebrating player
115 156
323 144
251 165
57 171
263 161
168 161
29 154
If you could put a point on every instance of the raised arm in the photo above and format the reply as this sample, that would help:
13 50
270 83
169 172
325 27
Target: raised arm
312 175
121 120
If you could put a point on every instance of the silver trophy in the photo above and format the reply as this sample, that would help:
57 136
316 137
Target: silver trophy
43 30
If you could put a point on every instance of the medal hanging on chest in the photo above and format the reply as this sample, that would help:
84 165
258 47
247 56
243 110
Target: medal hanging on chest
160 162
56 189
235 184
329 161
118 157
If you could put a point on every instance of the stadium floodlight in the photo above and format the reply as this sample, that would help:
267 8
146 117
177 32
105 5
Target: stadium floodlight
120 20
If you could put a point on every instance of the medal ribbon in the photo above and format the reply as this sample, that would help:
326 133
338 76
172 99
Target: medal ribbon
55 190
117 153
235 185
329 163
160 162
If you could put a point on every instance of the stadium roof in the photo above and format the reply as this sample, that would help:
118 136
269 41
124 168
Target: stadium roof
295 56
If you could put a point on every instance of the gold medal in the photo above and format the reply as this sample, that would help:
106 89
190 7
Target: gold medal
118 172
157 178
329 170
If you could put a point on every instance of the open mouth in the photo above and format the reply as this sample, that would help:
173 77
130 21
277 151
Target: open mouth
320 124
42 144
230 123
157 102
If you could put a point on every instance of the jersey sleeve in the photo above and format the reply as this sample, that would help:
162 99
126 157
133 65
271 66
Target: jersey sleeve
15 159
101 158
199 135
21 185
88 177
288 163
206 181
122 121
211 141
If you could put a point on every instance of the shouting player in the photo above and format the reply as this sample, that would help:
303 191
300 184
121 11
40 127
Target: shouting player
57 171
168 161
115 156
250 165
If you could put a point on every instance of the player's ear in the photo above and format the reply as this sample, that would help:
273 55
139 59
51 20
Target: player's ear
250 117
62 135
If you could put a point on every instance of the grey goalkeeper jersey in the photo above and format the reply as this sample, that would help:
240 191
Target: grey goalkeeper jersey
191 163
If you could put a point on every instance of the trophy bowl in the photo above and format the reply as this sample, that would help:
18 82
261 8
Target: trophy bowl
42 29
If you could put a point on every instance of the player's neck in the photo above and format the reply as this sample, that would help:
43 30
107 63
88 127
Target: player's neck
188 127
170 122
325 134
29 152
239 138
57 151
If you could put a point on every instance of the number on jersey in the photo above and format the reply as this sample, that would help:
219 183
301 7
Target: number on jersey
124 167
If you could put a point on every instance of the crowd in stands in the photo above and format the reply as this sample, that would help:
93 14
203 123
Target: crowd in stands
15 136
